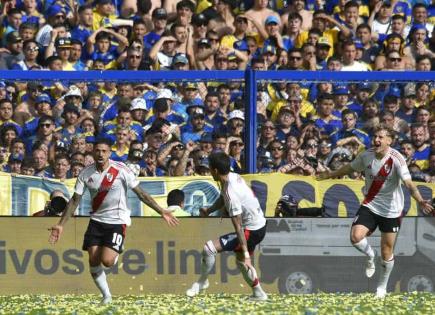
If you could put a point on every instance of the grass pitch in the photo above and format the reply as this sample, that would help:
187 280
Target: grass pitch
321 303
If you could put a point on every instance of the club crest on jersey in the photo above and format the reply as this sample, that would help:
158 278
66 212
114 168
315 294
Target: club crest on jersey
109 177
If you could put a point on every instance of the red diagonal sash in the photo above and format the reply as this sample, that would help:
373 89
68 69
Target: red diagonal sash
107 182
379 180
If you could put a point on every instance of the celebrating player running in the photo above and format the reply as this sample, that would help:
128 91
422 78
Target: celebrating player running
107 182
384 169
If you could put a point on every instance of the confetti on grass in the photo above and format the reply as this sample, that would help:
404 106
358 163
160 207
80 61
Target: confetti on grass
311 304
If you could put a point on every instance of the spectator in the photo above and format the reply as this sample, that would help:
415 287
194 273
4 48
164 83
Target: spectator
40 160
349 58
6 113
235 151
13 51
14 164
83 30
99 47
44 133
408 150
55 16
324 119
235 123
407 110
31 50
78 144
71 115
277 153
422 148
27 167
192 130
124 120
18 147
76 168
8 134
61 167
27 30
121 146
349 130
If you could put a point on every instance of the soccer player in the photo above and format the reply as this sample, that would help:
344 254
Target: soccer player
107 182
384 169
248 220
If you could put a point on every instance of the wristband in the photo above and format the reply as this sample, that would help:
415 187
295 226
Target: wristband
246 254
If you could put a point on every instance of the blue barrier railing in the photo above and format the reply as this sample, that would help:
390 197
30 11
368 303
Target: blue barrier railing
249 77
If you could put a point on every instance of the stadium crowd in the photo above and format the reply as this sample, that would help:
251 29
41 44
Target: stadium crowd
48 128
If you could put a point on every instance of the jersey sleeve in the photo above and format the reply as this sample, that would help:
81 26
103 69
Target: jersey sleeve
79 188
232 203
402 169
358 163
130 178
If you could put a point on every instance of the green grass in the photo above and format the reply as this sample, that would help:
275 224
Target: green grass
322 303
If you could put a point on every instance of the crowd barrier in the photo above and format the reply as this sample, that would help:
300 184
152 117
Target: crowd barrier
24 195
297 256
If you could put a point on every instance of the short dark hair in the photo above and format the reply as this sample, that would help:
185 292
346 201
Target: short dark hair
102 140
364 25
175 197
84 7
102 35
220 161
186 4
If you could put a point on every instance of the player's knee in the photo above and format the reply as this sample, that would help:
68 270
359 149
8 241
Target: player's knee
356 237
209 249
386 253
108 262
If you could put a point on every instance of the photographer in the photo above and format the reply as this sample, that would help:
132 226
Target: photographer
288 207
54 206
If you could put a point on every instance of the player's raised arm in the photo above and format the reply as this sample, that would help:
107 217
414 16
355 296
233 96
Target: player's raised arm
57 229
425 205
150 202
344 170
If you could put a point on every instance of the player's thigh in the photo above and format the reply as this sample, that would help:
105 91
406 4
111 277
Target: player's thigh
94 237
114 237
94 255
363 224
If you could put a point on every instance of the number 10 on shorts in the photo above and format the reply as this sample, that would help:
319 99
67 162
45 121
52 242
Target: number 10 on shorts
117 240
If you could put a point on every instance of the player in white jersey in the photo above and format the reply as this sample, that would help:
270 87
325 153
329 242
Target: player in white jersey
247 217
107 182
384 169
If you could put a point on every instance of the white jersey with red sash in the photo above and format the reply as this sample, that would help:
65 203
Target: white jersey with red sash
108 192
240 199
383 179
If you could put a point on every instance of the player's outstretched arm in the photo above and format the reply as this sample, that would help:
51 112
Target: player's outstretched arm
425 205
218 204
344 170
56 230
150 202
